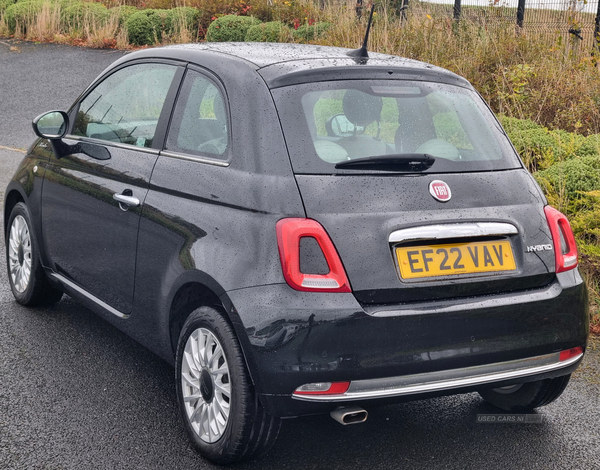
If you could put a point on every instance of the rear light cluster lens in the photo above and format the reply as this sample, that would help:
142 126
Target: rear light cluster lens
289 233
569 353
565 249
323 388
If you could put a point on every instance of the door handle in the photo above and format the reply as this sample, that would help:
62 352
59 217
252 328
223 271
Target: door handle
126 200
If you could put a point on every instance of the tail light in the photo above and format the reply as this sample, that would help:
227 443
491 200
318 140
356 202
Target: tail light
565 249
289 234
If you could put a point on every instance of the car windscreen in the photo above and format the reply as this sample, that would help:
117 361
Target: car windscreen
328 123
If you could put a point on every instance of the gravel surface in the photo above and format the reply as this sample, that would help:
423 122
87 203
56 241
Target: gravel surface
78 394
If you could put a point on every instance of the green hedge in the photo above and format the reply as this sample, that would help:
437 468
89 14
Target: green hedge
537 147
139 29
512 124
540 148
146 26
182 17
123 12
230 28
307 32
79 13
22 13
4 4
274 31
159 21
571 177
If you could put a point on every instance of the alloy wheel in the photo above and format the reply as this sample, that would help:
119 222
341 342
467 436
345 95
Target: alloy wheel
206 385
19 253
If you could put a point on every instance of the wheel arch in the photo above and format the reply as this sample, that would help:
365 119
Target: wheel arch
11 199
202 291
186 299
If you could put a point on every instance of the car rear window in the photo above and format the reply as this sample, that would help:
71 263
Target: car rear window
326 123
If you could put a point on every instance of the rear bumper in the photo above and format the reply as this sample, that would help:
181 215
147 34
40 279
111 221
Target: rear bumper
404 352
446 380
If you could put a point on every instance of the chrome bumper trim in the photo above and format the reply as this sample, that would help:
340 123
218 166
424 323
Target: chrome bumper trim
461 230
446 379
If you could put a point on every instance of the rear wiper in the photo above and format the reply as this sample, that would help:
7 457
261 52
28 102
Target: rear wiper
393 162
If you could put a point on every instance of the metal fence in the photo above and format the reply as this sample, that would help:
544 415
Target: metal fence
576 20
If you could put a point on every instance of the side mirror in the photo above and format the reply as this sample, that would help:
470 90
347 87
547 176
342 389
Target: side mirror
52 125
339 126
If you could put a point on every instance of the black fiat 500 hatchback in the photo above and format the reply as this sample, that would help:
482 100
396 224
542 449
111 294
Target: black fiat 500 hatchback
299 231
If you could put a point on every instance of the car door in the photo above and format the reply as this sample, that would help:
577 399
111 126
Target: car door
93 193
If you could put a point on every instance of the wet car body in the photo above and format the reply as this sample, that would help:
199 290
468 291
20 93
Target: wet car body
204 234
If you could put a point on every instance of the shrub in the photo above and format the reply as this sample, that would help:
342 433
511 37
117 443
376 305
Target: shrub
64 4
139 29
158 18
156 4
22 13
565 182
78 13
4 4
274 31
230 28
309 32
288 11
145 27
537 147
541 148
512 124
123 12
586 222
591 145
181 18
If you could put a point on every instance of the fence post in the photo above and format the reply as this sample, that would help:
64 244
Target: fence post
456 10
404 7
520 13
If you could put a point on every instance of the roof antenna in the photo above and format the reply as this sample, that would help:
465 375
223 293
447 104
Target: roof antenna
361 53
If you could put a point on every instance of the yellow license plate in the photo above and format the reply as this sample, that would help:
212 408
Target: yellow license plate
457 258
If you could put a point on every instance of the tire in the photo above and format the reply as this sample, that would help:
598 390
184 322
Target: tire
26 276
218 390
527 396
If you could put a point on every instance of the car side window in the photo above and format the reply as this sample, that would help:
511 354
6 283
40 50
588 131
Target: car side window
125 107
199 124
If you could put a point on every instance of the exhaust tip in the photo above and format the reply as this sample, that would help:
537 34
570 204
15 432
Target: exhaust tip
349 415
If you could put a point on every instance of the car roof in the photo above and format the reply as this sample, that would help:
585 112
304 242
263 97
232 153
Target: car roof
266 54
287 64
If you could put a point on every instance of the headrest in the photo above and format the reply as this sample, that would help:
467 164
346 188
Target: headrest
360 108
